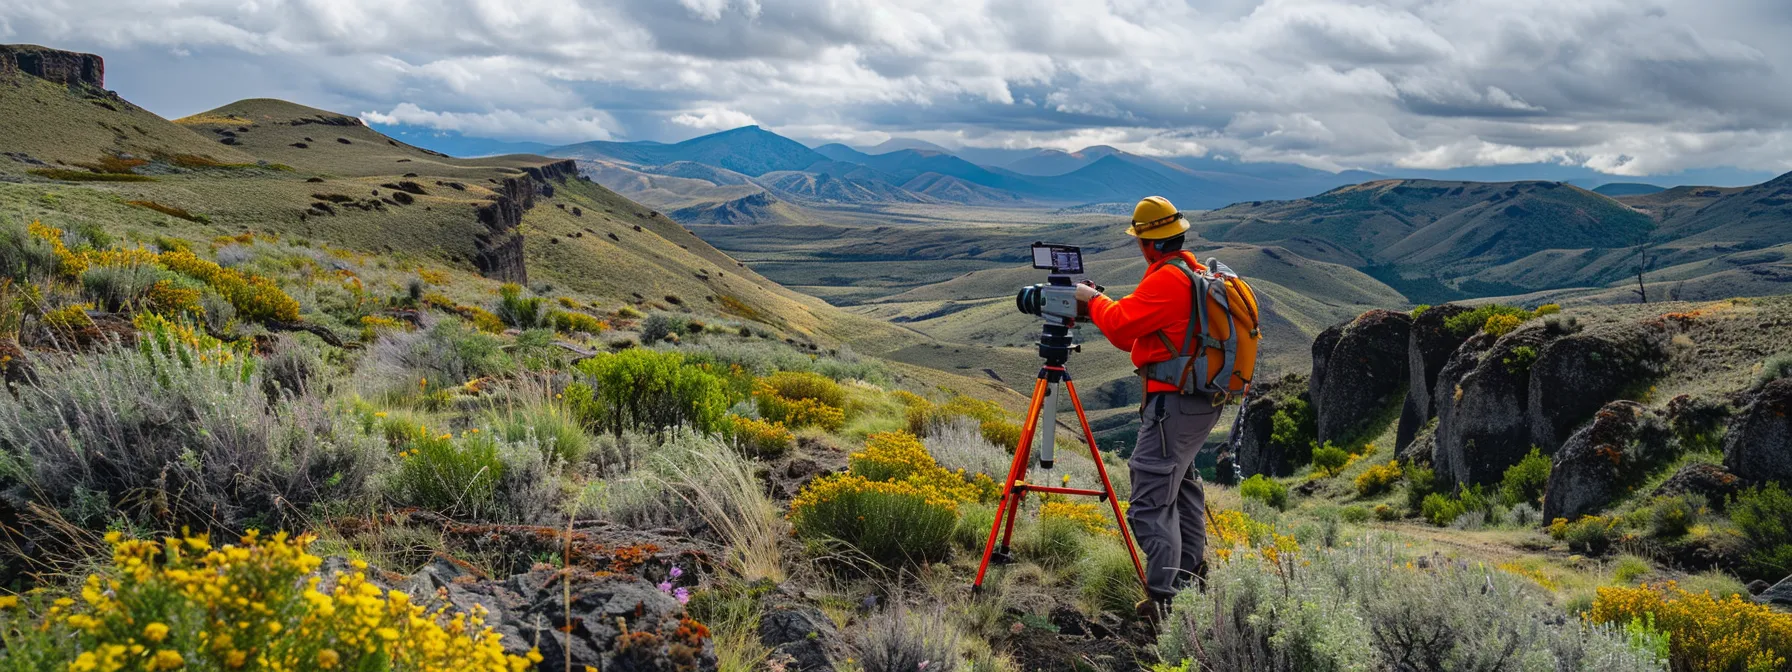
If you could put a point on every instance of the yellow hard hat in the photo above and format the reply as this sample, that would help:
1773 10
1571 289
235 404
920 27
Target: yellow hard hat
1154 218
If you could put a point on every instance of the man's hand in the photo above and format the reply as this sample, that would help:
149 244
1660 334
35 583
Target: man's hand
1086 292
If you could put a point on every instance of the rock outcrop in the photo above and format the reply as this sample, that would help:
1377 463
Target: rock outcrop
1428 349
499 251
1758 446
1446 390
1710 481
63 67
1779 594
1592 468
1255 453
1576 374
1359 373
1486 428
804 634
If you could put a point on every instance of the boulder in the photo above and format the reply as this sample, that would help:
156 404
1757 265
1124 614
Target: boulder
1574 375
1711 481
1445 390
1779 594
1486 429
1593 468
1419 450
1362 377
804 634
530 610
1252 448
1428 349
1758 445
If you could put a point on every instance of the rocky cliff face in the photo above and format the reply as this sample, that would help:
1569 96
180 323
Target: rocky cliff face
63 67
500 249
1427 351
1361 373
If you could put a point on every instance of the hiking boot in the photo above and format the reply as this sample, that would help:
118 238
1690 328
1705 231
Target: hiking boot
1152 610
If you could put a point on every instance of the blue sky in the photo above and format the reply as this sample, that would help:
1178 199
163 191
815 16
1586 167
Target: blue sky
1621 87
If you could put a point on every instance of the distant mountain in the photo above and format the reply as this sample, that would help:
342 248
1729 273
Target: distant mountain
749 150
828 188
1049 162
899 144
957 190
839 152
454 143
1616 189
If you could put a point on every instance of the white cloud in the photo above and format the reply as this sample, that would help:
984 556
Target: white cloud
714 119
570 126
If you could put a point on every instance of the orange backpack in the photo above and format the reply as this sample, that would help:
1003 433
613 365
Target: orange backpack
1224 317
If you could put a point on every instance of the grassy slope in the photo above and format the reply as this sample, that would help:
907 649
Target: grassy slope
55 125
649 259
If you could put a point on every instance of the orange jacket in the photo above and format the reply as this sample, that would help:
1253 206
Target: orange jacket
1160 302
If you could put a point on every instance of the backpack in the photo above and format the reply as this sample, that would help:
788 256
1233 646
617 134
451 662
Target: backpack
1224 316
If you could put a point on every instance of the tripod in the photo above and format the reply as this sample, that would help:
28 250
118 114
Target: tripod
1055 346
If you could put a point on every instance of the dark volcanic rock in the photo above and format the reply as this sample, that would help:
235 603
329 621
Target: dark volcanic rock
1428 349
1759 444
1708 480
530 610
500 248
1252 448
803 633
1576 374
1446 390
1486 430
63 67
1362 375
1591 468
1780 593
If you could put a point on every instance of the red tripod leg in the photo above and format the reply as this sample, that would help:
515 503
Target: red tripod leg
1016 470
1102 469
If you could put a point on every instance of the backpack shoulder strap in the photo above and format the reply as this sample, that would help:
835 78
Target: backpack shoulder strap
1197 307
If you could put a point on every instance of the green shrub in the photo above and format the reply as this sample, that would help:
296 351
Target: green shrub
1774 368
1421 482
1629 569
1386 513
1378 479
1764 515
1519 361
1465 324
660 325
1440 509
1592 535
523 312
1107 580
1671 516
1328 460
123 286
576 322
805 385
648 390
1053 542
890 523
1361 606
176 431
1266 490
446 355
24 257
1523 483
973 527
450 475
549 425
1293 429
1355 514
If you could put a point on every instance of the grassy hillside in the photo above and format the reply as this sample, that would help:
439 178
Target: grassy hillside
51 126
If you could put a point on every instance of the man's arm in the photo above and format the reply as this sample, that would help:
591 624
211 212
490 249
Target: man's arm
1153 305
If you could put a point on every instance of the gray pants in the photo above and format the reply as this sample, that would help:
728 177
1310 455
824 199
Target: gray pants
1168 514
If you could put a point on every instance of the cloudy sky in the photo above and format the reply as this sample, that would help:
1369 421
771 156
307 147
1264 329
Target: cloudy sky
1626 87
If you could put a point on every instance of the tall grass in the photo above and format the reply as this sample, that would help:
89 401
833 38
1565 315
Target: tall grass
723 489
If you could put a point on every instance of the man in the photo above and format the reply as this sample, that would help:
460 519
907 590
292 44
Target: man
1168 508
